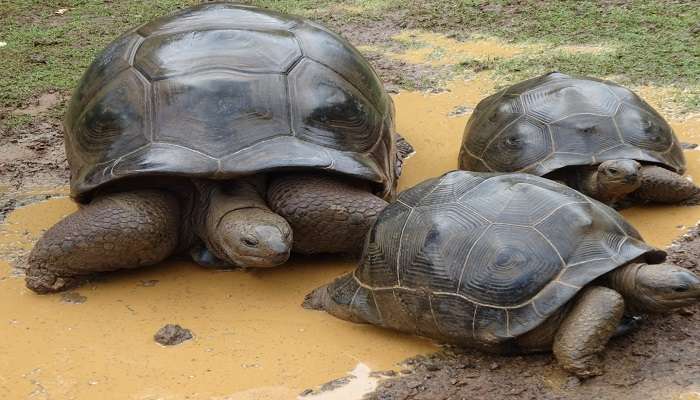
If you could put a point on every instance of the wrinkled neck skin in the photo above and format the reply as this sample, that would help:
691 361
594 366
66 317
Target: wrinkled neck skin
655 288
234 222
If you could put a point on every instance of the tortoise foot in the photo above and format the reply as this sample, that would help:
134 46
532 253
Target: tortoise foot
43 281
586 330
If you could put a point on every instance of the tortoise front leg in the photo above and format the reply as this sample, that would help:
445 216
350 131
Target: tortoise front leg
663 186
124 230
328 214
589 325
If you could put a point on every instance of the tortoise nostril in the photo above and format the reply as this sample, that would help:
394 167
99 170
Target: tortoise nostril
249 241
631 178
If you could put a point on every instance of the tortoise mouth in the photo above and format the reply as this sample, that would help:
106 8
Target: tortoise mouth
250 261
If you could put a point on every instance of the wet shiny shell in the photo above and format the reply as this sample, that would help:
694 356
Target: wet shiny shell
555 120
223 90
478 257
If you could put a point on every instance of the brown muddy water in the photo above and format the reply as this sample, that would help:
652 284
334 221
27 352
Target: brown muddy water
252 340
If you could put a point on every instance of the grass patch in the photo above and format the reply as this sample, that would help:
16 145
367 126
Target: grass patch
46 51
650 42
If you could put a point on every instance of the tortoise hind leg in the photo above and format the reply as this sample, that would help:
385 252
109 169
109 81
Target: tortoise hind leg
328 214
664 186
586 330
123 230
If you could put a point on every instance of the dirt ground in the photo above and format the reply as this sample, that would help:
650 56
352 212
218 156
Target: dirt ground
659 360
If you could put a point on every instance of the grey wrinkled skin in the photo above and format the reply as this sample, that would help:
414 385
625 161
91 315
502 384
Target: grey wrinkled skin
232 222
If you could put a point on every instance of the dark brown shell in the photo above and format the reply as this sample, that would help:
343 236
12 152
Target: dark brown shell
555 121
221 90
482 258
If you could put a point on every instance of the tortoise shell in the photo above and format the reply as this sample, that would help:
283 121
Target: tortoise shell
480 257
555 120
220 91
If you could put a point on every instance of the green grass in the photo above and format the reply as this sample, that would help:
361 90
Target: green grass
651 42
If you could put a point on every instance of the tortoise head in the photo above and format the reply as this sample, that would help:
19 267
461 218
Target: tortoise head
661 287
619 177
253 237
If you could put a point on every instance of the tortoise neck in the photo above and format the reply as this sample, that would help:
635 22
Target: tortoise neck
215 200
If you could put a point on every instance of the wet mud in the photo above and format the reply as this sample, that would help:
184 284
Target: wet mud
253 340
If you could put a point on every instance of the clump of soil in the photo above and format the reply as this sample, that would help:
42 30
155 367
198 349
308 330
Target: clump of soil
658 360
171 334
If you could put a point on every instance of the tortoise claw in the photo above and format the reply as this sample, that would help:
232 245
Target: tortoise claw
42 281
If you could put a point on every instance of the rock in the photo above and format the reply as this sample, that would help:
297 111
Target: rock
171 334
572 382
432 367
73 298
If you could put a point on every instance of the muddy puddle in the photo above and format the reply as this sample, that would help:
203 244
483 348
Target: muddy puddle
252 340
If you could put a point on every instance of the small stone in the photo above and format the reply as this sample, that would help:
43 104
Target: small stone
377 374
37 59
73 298
148 283
432 367
336 383
413 385
470 374
459 111
572 382
494 366
406 371
686 312
391 88
170 335
516 391
306 392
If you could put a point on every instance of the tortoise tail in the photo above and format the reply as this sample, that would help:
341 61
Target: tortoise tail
318 299
340 298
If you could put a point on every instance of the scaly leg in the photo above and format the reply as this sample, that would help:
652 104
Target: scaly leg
663 186
328 214
586 330
123 230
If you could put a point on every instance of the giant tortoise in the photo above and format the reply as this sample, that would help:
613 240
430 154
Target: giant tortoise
507 263
225 130
593 135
